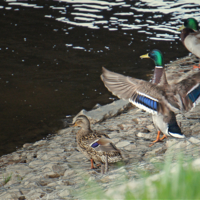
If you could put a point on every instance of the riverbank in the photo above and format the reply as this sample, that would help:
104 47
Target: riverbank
55 169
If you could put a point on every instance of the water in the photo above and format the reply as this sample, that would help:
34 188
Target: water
52 53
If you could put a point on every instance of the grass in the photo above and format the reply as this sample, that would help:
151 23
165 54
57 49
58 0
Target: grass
177 183
182 184
7 178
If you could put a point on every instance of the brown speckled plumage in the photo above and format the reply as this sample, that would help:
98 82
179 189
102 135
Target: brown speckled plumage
85 138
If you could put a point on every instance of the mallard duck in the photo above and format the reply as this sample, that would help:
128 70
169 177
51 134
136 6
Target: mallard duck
96 146
158 97
190 37
159 78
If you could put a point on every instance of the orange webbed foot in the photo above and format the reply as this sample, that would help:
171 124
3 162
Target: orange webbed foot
196 66
158 139
92 164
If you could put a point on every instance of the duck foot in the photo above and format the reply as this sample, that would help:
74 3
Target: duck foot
196 66
158 139
98 165
92 164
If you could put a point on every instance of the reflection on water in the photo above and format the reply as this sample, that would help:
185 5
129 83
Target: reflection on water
52 53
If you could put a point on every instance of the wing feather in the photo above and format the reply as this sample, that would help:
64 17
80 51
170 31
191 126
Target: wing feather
189 90
142 94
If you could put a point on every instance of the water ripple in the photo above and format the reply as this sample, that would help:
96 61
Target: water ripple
141 16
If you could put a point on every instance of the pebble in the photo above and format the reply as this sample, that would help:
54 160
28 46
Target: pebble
144 135
122 144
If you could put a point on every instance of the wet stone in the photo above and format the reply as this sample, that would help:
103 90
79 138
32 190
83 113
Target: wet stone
122 144
144 135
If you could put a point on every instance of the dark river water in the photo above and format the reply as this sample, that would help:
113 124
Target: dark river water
51 54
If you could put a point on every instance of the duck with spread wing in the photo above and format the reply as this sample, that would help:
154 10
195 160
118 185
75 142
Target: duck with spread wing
157 97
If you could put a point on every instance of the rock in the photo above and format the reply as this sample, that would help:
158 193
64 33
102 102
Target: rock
105 112
36 163
59 150
177 146
125 127
130 147
6 195
194 140
157 159
35 194
53 170
196 164
40 142
158 150
113 134
151 127
144 135
64 193
122 144
20 169
171 142
195 126
16 156
45 182
27 145
115 140
135 120
14 179
30 156
30 184
59 169
69 172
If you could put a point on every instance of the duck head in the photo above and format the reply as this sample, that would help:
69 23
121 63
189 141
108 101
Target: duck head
190 23
157 57
82 121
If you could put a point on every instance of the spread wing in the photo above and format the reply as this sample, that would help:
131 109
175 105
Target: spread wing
142 94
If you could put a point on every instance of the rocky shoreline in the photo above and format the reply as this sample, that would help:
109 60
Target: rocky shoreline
55 169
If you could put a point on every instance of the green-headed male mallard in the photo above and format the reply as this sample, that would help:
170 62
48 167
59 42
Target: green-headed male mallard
96 146
158 97
190 36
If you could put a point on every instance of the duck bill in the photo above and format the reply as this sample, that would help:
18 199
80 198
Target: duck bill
181 28
73 124
145 56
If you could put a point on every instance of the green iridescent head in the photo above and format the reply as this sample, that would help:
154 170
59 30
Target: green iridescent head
156 56
190 23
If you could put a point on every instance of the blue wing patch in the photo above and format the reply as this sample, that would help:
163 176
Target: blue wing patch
194 94
149 103
95 144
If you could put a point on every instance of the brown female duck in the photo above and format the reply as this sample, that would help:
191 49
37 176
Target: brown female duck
96 146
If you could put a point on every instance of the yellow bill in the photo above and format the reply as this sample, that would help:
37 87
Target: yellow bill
181 28
145 56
